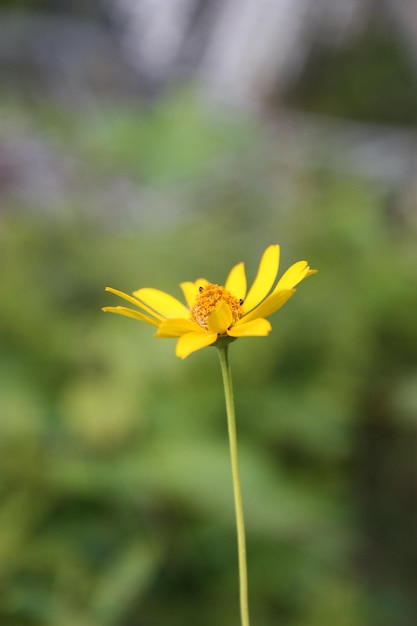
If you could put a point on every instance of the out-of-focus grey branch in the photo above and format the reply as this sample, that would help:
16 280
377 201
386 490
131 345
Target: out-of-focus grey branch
239 51
62 58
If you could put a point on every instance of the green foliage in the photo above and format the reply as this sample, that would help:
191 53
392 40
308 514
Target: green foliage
373 78
174 139
116 500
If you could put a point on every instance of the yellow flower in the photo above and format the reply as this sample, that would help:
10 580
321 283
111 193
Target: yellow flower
213 311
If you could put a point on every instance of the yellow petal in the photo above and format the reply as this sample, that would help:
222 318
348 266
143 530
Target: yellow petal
177 327
191 291
221 318
162 303
256 328
236 281
122 310
132 300
268 306
294 275
265 278
191 342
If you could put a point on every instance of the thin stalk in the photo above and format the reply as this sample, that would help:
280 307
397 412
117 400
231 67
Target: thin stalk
240 525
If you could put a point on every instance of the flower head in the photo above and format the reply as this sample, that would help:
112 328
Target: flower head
213 311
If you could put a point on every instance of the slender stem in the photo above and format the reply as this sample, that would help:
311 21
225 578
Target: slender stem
240 525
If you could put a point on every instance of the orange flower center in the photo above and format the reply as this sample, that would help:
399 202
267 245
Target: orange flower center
207 300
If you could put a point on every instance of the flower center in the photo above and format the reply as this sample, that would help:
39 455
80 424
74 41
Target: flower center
208 299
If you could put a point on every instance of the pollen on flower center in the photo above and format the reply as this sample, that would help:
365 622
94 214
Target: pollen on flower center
208 299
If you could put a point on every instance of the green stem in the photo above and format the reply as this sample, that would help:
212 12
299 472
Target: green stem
240 525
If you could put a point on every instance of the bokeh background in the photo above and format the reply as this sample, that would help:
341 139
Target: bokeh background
144 143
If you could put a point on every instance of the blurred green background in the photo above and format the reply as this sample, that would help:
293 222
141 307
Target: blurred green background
116 501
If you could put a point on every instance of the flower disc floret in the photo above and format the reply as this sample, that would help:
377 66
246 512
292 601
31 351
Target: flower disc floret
208 299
